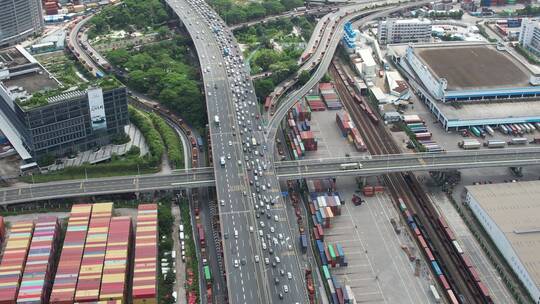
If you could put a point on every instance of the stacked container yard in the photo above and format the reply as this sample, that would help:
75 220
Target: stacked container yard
116 265
40 265
417 126
338 294
315 103
14 260
349 130
91 268
67 272
321 185
329 95
146 236
323 207
299 135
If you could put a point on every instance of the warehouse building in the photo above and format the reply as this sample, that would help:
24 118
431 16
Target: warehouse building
529 35
404 30
19 19
469 84
47 118
510 214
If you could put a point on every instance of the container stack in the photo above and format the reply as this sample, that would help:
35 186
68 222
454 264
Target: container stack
67 272
94 253
418 127
37 278
315 103
116 265
348 295
145 268
321 185
329 95
310 144
14 260
301 112
349 130
337 292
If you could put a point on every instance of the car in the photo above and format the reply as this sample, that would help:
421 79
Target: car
230 143
266 261
250 228
282 272
235 233
276 218
243 261
272 229
244 193
229 156
280 296
268 216
274 265
236 264
264 246
239 163
257 260
289 275
280 236
270 251
276 258
269 185
261 233
262 224
285 288
226 235
222 202
276 281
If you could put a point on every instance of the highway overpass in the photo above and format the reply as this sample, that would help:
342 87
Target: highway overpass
329 167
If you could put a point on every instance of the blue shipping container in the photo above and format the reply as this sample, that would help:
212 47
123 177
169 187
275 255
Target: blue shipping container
436 268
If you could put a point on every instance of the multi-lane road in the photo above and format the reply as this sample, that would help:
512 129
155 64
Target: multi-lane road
228 87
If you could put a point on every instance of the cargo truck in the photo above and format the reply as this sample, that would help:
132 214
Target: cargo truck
469 144
518 141
216 120
495 143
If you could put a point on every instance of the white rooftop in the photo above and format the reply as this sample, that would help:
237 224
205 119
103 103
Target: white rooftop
515 209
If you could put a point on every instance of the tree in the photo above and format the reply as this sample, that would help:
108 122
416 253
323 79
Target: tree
137 80
265 57
255 10
273 7
235 15
290 4
118 57
162 32
303 77
263 87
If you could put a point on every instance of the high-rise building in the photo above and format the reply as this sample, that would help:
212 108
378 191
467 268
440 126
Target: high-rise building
19 19
529 35
404 30
49 118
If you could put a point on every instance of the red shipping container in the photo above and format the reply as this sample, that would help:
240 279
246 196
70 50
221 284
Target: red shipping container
146 237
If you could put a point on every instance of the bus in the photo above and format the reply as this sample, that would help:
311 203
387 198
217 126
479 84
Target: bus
351 166
207 274
29 167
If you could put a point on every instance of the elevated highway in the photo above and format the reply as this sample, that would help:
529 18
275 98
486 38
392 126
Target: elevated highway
323 59
328 167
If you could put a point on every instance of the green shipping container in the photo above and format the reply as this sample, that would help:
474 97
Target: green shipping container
326 272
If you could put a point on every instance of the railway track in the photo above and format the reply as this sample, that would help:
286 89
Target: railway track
411 199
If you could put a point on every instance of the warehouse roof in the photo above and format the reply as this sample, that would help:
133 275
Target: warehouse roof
515 209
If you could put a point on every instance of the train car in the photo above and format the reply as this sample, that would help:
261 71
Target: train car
422 241
436 268
466 261
429 255
374 118
457 247
452 297
474 274
442 222
449 234
444 282
484 292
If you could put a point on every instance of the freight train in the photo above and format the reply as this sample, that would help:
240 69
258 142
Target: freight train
348 81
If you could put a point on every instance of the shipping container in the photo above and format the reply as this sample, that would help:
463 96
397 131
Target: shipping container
495 143
518 141
88 284
469 144
145 269
14 260
117 261
69 264
40 265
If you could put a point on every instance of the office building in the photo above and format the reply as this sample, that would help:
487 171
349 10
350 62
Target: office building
19 19
47 118
529 35
510 214
404 30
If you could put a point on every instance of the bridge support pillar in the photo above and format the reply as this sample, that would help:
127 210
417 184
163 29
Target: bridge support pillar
517 171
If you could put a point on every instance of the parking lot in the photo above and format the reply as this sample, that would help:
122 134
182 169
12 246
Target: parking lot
379 269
